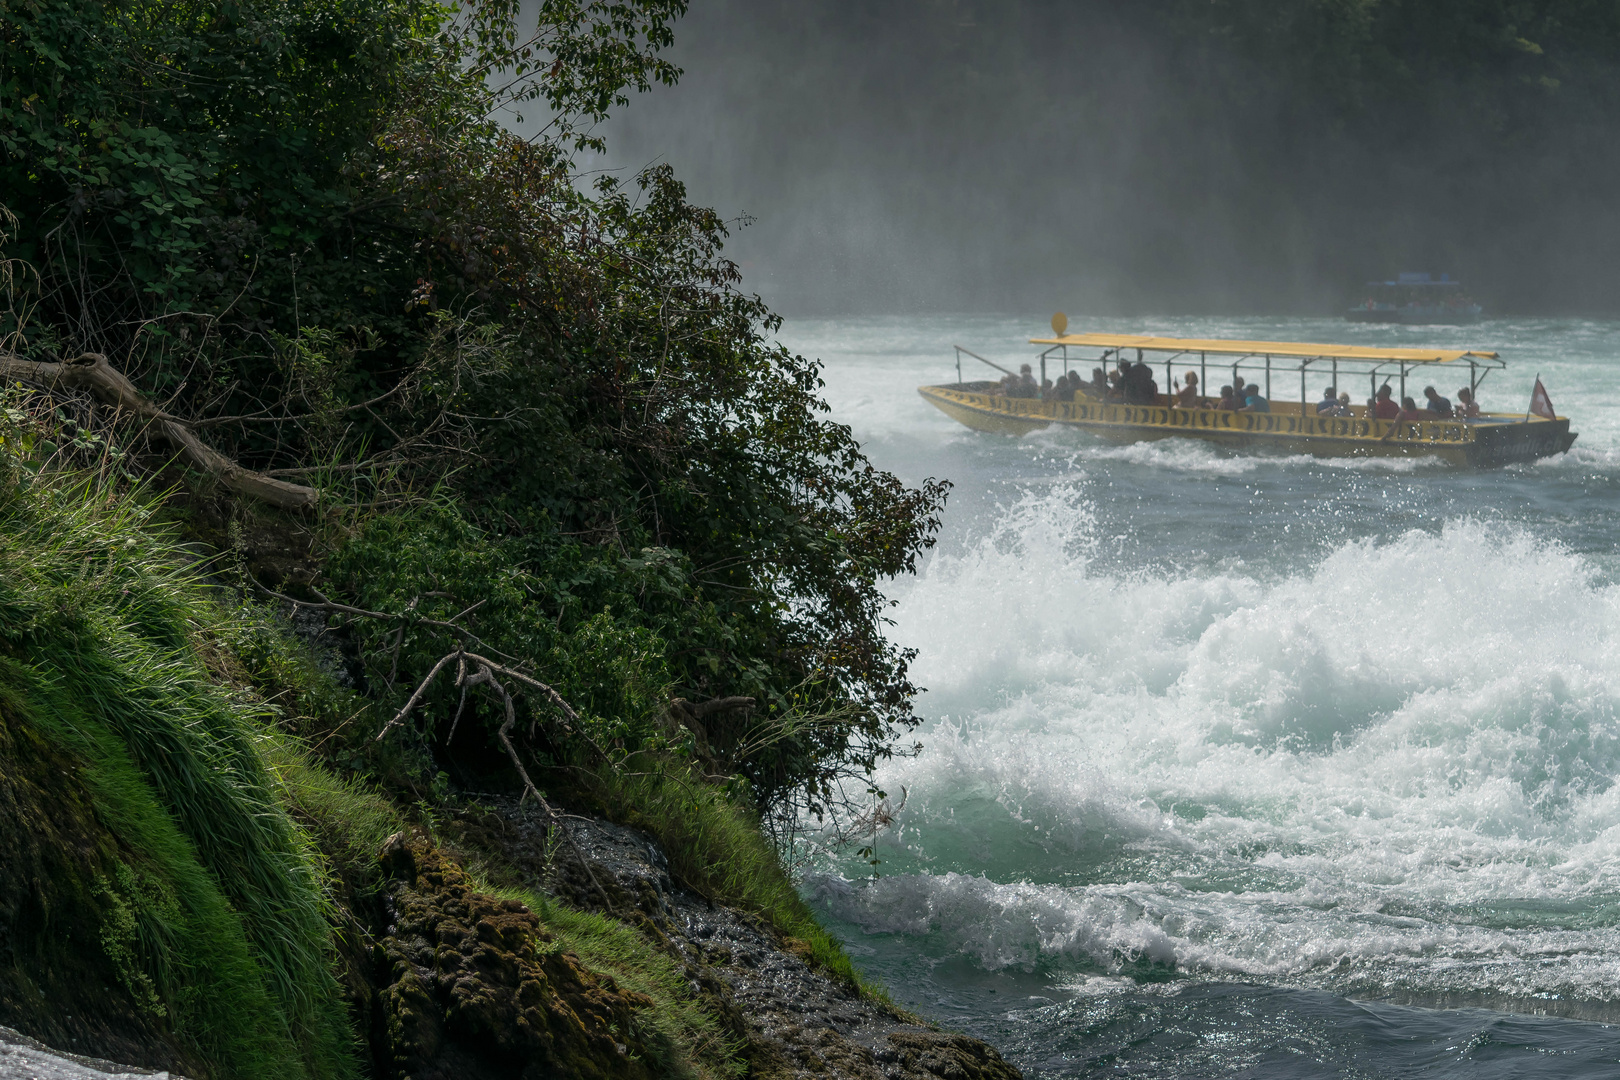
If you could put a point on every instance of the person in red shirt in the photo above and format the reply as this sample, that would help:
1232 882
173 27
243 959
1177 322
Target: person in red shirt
1383 406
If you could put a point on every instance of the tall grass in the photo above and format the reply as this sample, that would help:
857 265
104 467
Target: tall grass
716 848
97 621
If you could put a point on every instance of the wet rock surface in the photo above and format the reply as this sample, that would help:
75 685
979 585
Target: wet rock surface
794 1021
23 1058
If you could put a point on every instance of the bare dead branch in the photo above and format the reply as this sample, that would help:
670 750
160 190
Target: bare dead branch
488 669
421 688
91 371
323 604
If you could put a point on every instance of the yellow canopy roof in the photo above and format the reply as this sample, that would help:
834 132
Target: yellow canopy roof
1300 349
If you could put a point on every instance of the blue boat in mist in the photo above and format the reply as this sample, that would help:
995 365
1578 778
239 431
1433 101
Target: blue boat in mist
1415 300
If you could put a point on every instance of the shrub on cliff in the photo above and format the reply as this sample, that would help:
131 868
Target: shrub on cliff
300 226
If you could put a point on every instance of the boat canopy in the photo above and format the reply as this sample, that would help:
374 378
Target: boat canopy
1292 349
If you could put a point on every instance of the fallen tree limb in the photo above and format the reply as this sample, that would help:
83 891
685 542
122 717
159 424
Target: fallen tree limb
90 371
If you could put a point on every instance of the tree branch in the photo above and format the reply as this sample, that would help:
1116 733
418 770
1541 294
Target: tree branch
90 371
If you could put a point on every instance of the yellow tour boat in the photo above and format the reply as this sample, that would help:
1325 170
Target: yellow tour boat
1278 367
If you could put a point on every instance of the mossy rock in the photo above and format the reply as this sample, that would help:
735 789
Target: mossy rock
475 988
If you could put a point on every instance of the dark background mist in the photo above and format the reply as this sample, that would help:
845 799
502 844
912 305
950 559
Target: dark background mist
1163 155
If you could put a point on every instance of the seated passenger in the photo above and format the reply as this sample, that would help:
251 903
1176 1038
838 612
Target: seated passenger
1024 385
1136 384
1146 386
1187 396
1339 406
1466 405
1329 402
1048 391
1229 401
1253 401
1410 411
1437 404
1383 406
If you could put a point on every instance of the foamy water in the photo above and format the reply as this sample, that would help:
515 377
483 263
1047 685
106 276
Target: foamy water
1198 718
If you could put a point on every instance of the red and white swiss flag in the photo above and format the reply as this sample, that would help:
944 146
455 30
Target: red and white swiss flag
1540 403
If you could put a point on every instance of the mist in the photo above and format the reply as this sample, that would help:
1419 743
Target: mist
1242 157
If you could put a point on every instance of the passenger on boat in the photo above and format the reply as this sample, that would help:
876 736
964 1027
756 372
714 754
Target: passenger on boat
1229 401
1023 386
1437 404
1333 406
1130 388
1383 406
1146 384
1410 411
1466 405
1187 396
1099 384
1253 400
1139 385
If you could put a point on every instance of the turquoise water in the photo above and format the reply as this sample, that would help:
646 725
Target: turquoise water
1248 765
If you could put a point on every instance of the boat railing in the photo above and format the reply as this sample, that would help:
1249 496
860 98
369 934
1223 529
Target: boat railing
960 350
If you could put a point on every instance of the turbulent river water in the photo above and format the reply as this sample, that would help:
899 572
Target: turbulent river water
1246 765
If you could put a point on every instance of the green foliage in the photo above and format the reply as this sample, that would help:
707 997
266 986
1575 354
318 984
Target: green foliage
222 924
137 933
300 224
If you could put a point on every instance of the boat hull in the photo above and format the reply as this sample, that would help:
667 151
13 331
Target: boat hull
1491 441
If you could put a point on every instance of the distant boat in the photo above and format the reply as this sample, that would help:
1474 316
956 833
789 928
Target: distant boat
1416 299
1016 404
